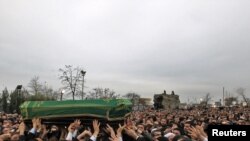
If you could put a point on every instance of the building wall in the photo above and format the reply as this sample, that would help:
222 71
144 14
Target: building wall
166 101
171 101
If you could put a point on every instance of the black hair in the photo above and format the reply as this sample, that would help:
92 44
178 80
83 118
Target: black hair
181 138
162 139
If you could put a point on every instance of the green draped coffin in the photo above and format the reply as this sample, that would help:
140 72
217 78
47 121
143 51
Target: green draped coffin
109 109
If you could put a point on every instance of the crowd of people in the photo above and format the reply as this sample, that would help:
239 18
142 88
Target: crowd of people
147 125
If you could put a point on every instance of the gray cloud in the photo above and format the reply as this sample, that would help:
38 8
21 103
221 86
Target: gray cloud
192 47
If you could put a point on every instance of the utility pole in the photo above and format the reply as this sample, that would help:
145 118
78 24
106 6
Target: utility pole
223 100
62 92
83 74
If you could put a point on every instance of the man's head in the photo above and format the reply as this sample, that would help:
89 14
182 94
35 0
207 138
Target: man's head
140 127
156 134
6 130
187 125
163 121
177 131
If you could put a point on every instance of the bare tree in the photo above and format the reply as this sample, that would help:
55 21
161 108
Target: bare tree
107 93
100 93
35 86
49 93
71 78
55 95
39 90
134 97
46 90
241 92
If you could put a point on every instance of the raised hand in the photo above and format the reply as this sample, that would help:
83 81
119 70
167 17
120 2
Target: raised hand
131 133
84 133
119 130
39 124
77 123
110 130
193 133
36 122
21 128
71 127
96 126
201 131
197 133
113 138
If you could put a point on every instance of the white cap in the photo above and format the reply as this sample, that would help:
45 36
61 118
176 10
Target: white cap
169 135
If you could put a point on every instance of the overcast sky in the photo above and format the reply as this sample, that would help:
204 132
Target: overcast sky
145 46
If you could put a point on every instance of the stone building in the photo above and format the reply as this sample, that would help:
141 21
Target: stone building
166 101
